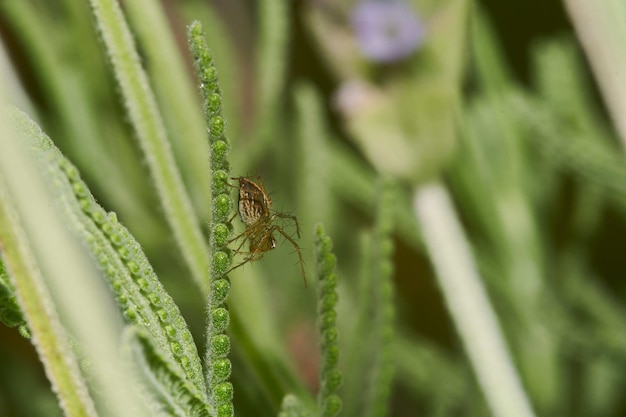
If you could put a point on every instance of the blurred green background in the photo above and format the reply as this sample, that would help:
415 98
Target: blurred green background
505 103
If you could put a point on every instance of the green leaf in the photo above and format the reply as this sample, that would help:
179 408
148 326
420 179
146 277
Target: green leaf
140 295
148 124
166 391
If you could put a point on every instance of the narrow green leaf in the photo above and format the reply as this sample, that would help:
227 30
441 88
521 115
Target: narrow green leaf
167 392
148 124
177 96
140 295
50 339
58 288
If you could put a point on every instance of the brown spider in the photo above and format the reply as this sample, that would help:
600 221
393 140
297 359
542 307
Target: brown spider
255 212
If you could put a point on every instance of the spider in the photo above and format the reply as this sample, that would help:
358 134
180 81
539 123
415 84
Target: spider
255 212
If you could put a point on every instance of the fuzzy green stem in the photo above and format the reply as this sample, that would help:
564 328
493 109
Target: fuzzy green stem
468 303
329 403
383 326
218 344
176 94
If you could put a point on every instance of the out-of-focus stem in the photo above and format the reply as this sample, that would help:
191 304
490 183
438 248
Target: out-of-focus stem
468 304
601 30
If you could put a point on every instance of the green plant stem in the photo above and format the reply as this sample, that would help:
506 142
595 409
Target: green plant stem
383 325
328 402
148 124
49 337
218 366
600 28
468 303
176 94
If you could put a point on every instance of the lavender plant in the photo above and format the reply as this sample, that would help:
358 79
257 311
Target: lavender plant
472 208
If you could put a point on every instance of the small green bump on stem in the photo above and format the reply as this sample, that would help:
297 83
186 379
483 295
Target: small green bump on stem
80 190
214 103
131 314
218 125
177 349
163 316
332 406
329 302
220 345
329 320
221 370
117 239
117 285
223 392
219 152
225 410
99 216
221 233
329 337
71 172
133 267
209 75
221 288
84 204
154 299
108 229
143 284
327 264
220 319
220 182
184 361
330 282
124 253
326 245
222 208
332 358
333 382
110 270
170 331
221 262
103 259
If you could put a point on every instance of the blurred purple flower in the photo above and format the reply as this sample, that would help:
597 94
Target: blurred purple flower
387 30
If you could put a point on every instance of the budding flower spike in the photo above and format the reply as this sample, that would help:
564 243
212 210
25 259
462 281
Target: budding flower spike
255 212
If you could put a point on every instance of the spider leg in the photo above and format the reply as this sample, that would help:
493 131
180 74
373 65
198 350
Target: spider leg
243 241
245 234
288 216
295 245
253 257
